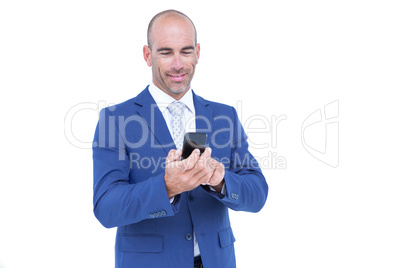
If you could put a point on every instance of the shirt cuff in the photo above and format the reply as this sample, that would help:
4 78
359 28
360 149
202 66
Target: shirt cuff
222 191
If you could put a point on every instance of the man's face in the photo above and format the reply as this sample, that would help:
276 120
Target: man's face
173 55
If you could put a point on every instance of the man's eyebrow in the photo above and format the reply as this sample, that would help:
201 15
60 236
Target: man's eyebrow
164 49
189 47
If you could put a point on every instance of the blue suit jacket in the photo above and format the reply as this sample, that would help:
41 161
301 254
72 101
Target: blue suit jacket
129 151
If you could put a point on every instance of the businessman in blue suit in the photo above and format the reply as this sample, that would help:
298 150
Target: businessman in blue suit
172 213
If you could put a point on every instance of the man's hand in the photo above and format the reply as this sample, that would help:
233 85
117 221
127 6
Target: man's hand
217 180
181 176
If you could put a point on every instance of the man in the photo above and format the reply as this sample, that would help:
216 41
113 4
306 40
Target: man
172 213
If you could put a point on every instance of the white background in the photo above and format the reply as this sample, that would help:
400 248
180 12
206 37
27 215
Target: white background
276 58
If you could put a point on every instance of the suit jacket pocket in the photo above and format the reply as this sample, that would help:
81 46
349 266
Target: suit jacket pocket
140 243
226 237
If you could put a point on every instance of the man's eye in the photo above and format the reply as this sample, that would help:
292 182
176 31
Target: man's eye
186 52
165 53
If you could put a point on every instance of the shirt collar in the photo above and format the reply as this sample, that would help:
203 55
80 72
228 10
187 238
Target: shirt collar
163 100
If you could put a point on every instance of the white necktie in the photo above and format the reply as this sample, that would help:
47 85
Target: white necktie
176 109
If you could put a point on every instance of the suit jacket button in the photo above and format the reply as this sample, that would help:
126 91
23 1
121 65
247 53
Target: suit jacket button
189 236
151 215
163 213
190 198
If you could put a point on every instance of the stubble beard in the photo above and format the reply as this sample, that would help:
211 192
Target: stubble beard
174 88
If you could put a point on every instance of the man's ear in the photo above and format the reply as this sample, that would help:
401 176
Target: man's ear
197 50
147 55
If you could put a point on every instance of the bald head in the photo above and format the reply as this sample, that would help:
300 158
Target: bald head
167 14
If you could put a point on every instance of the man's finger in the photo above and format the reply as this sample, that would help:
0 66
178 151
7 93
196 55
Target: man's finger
206 161
207 153
173 155
218 175
170 156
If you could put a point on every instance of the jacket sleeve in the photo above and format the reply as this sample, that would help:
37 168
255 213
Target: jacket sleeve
116 201
245 186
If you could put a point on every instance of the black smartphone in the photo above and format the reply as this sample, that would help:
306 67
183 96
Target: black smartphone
193 140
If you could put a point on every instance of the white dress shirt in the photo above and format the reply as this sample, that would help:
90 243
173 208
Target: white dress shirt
163 100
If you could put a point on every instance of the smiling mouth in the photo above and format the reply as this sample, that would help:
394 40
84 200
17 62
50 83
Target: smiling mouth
177 77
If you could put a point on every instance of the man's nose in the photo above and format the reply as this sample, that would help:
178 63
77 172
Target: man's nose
177 63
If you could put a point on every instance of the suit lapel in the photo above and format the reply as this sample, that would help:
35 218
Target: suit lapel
160 135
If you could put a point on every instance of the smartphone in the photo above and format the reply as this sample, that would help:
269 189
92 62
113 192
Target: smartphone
193 140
